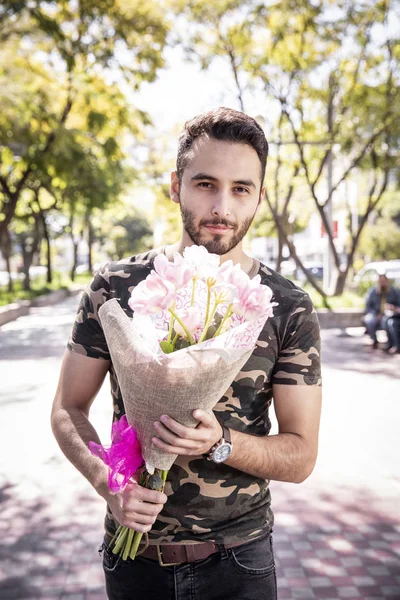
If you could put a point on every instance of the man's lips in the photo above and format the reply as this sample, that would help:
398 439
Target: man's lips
217 228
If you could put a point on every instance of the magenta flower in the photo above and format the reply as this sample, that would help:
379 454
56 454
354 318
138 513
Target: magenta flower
123 458
152 295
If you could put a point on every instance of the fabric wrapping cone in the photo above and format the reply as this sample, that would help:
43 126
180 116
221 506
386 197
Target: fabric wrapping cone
174 384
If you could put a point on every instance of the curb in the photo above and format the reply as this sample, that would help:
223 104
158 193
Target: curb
13 311
342 318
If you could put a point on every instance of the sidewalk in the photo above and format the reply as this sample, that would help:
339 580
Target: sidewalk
336 536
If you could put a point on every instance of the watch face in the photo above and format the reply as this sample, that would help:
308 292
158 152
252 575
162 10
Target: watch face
221 453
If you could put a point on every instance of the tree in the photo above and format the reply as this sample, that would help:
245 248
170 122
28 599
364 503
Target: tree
54 56
328 74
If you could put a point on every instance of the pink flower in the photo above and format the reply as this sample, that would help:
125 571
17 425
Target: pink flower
123 458
179 272
192 320
253 298
152 295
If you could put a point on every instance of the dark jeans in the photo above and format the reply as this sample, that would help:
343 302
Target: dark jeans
372 324
393 331
246 572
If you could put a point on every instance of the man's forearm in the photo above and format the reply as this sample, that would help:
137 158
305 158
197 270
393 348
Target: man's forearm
73 432
283 457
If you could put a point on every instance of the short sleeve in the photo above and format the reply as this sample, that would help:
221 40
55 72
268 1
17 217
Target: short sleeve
299 360
87 336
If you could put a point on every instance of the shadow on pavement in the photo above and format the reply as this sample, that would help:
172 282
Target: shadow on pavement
353 352
324 542
45 555
341 543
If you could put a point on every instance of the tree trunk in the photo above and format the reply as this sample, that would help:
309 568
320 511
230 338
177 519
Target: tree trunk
74 259
90 245
48 247
7 251
340 282
10 286
280 252
27 257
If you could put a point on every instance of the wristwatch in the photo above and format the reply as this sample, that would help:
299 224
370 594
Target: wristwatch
221 451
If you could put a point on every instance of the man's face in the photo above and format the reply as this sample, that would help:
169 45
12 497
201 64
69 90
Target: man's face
382 282
219 193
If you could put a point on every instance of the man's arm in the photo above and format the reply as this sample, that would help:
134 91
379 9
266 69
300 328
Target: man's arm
370 303
288 456
291 454
80 380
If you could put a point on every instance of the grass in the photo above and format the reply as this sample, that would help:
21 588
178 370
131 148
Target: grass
350 299
39 286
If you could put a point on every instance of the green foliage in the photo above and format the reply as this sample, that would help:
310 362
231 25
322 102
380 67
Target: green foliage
122 231
39 287
331 86
349 299
381 240
64 120
167 213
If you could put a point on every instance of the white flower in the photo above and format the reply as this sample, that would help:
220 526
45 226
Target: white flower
205 263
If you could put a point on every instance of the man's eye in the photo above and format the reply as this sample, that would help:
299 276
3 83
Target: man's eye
205 184
241 190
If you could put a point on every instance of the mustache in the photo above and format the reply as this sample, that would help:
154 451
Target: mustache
223 222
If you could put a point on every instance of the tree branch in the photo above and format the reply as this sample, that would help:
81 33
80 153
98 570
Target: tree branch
293 253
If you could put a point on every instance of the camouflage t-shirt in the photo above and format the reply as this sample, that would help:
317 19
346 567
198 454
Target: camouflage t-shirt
208 501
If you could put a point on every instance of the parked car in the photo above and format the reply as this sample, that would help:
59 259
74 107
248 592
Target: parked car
368 275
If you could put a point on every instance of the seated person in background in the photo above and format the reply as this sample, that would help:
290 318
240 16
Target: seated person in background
377 298
392 325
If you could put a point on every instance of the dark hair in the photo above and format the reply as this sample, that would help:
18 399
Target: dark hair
223 124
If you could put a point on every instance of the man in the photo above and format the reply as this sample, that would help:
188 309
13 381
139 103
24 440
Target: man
214 521
392 325
377 298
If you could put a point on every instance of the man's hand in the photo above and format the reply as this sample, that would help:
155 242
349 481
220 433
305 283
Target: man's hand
187 441
137 507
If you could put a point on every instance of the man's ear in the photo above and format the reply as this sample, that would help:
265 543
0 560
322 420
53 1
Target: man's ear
174 188
260 199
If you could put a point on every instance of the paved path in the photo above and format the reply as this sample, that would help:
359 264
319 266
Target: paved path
336 536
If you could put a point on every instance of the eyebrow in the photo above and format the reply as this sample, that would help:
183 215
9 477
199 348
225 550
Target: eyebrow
201 176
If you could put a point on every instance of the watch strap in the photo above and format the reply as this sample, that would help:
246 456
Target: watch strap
226 434
226 437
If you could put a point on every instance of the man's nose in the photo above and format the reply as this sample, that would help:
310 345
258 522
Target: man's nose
222 204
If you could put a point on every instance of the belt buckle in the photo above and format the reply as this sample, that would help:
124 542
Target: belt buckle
160 559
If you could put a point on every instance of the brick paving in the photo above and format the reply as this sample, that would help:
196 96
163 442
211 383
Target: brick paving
336 536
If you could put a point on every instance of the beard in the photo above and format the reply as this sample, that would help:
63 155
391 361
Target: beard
218 245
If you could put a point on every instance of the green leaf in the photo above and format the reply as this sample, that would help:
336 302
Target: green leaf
166 347
210 332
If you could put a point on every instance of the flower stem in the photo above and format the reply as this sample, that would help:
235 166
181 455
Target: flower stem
209 321
208 303
128 544
193 291
182 324
228 314
121 540
171 325
137 538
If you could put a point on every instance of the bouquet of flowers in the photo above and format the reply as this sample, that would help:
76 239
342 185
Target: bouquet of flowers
195 325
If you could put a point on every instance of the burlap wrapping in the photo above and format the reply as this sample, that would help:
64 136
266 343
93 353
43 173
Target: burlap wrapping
173 384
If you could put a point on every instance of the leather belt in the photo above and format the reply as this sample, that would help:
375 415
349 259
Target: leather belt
175 554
